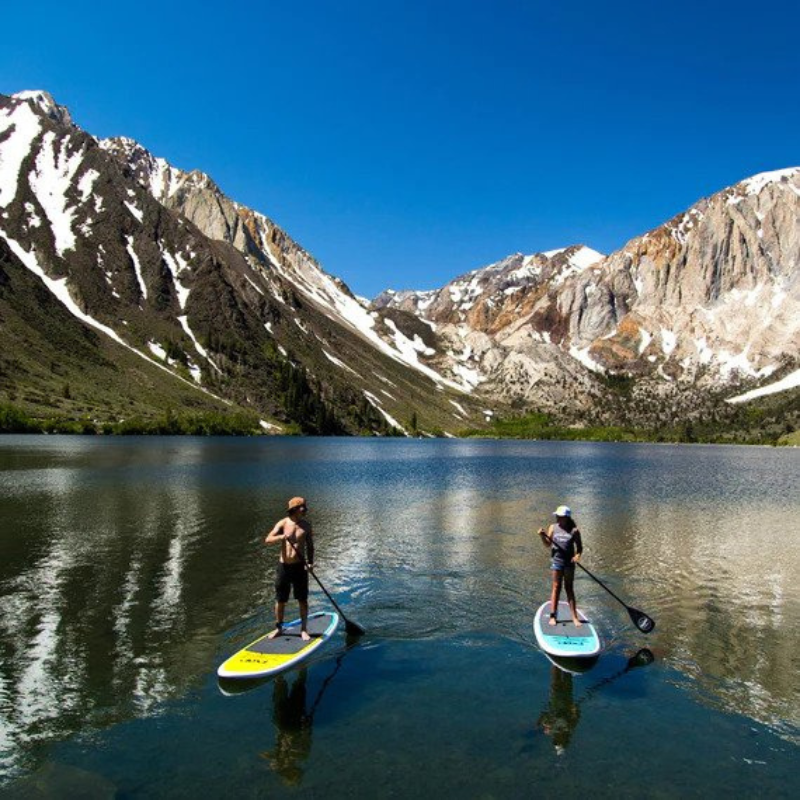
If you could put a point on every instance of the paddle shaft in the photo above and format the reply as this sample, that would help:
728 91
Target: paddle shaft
595 578
351 627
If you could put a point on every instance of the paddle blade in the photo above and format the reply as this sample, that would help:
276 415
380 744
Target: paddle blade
353 628
644 623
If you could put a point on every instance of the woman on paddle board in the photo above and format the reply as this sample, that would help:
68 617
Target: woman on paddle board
564 540
294 535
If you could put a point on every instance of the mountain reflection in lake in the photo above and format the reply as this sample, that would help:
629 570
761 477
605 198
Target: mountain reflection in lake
129 568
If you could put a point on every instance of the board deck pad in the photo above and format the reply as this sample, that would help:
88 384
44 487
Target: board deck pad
266 656
568 629
565 639
290 640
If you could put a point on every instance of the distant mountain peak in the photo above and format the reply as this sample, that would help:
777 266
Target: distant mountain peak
44 103
756 183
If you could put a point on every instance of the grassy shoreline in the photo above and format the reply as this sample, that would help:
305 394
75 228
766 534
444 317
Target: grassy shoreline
533 426
541 426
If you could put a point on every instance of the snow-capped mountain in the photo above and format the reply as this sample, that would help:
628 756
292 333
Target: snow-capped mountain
126 281
706 303
161 263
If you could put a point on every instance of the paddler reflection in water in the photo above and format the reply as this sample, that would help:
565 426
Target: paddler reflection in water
560 718
294 535
293 726
564 540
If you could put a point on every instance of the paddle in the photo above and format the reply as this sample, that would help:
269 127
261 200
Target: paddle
353 628
644 623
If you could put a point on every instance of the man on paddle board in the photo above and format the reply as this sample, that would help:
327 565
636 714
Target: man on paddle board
564 540
294 535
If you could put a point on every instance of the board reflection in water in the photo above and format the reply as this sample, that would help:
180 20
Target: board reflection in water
293 709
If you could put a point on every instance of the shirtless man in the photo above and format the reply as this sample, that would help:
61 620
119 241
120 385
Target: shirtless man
293 533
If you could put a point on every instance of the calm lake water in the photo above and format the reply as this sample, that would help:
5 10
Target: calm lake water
130 568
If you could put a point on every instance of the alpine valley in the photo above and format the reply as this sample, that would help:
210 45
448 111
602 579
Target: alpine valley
134 295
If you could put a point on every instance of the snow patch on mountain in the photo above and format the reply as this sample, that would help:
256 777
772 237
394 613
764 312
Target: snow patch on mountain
52 177
755 184
184 322
581 259
339 363
791 381
135 212
137 267
86 184
669 341
45 103
176 265
408 347
376 404
582 355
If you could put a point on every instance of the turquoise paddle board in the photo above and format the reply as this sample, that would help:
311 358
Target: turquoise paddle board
267 656
565 639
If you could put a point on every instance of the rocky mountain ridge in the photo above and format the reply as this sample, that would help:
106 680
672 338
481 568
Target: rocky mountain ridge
216 304
708 303
161 263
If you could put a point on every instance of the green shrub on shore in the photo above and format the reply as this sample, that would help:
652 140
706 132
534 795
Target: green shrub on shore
541 426
14 420
235 423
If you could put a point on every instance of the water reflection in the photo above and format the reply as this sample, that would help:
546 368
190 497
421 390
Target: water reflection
293 721
124 562
563 712
292 713
561 717
93 613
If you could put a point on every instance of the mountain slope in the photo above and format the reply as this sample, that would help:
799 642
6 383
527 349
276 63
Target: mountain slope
130 286
691 313
197 286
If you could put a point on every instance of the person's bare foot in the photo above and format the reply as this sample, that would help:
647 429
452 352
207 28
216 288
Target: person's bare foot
577 622
277 632
304 636
553 620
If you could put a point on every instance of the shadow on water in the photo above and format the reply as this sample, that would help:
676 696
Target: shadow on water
563 712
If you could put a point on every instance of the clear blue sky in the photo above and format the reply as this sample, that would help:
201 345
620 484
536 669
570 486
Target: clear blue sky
404 142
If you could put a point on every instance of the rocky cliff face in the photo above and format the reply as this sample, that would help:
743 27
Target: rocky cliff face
703 304
713 294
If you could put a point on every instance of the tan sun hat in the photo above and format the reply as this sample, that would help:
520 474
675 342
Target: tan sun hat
296 502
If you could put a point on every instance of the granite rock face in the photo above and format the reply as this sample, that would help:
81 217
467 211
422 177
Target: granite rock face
709 301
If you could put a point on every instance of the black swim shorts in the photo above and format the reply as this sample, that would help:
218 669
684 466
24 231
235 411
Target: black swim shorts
291 577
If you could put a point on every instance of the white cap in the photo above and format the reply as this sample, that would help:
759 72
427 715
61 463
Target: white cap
562 511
